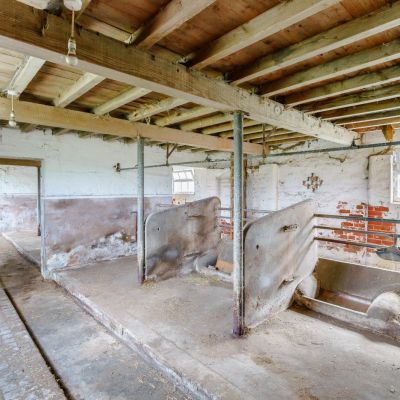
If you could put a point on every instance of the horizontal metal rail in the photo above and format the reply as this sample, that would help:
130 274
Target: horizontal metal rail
358 218
379 233
359 244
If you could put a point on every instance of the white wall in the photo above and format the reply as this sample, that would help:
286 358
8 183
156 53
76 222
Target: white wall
76 167
18 180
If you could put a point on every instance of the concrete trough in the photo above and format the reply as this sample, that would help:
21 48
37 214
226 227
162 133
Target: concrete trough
363 296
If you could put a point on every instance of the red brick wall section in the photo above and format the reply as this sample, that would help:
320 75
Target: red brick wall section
372 211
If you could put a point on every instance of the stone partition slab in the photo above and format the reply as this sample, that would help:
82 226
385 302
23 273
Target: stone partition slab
86 230
279 252
182 238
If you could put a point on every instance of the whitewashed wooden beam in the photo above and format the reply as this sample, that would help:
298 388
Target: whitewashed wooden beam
149 110
87 82
183 115
25 73
118 101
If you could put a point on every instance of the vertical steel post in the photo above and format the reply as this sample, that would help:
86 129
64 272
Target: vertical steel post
39 201
238 267
140 210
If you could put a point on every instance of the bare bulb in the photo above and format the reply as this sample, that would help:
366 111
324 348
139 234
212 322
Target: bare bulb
12 122
71 58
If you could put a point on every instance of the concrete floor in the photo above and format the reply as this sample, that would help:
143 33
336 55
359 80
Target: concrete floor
184 324
27 243
89 362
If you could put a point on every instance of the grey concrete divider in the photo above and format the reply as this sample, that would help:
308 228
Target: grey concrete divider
279 252
182 238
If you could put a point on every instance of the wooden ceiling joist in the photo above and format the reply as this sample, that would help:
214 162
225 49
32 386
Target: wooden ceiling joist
334 69
355 30
25 73
369 80
170 18
183 115
364 109
370 117
106 57
87 82
123 98
149 110
39 114
351 100
270 22
204 122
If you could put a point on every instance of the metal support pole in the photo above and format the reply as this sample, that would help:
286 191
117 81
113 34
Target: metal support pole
238 266
39 201
140 210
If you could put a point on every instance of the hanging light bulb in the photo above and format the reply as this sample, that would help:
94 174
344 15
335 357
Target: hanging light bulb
12 122
71 58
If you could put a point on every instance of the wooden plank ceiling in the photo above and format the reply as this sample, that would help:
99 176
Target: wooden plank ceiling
338 60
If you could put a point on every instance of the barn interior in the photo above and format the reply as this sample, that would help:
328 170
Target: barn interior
200 199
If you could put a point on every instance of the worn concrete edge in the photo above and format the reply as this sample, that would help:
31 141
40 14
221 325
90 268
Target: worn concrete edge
28 337
21 250
182 381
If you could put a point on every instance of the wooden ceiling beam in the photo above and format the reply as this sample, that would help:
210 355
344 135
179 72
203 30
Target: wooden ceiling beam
360 82
87 82
364 109
228 126
376 123
350 32
351 100
125 97
266 24
204 122
369 117
25 73
39 114
113 60
158 107
334 69
168 19
184 115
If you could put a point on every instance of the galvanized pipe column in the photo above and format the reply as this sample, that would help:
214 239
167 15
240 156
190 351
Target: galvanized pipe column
39 201
140 210
238 266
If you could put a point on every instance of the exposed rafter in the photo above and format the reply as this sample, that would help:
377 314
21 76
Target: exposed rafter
334 69
357 29
183 115
271 21
84 84
38 114
370 96
103 56
170 18
25 73
123 98
363 81
155 108
364 109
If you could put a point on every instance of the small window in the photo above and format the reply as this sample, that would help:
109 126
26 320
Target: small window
183 181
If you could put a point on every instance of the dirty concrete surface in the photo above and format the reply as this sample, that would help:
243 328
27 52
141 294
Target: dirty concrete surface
90 363
186 324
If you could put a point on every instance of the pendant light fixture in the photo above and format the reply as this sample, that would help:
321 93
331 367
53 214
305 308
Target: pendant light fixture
12 122
71 58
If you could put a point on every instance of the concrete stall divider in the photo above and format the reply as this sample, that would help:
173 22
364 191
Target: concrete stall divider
182 239
279 252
